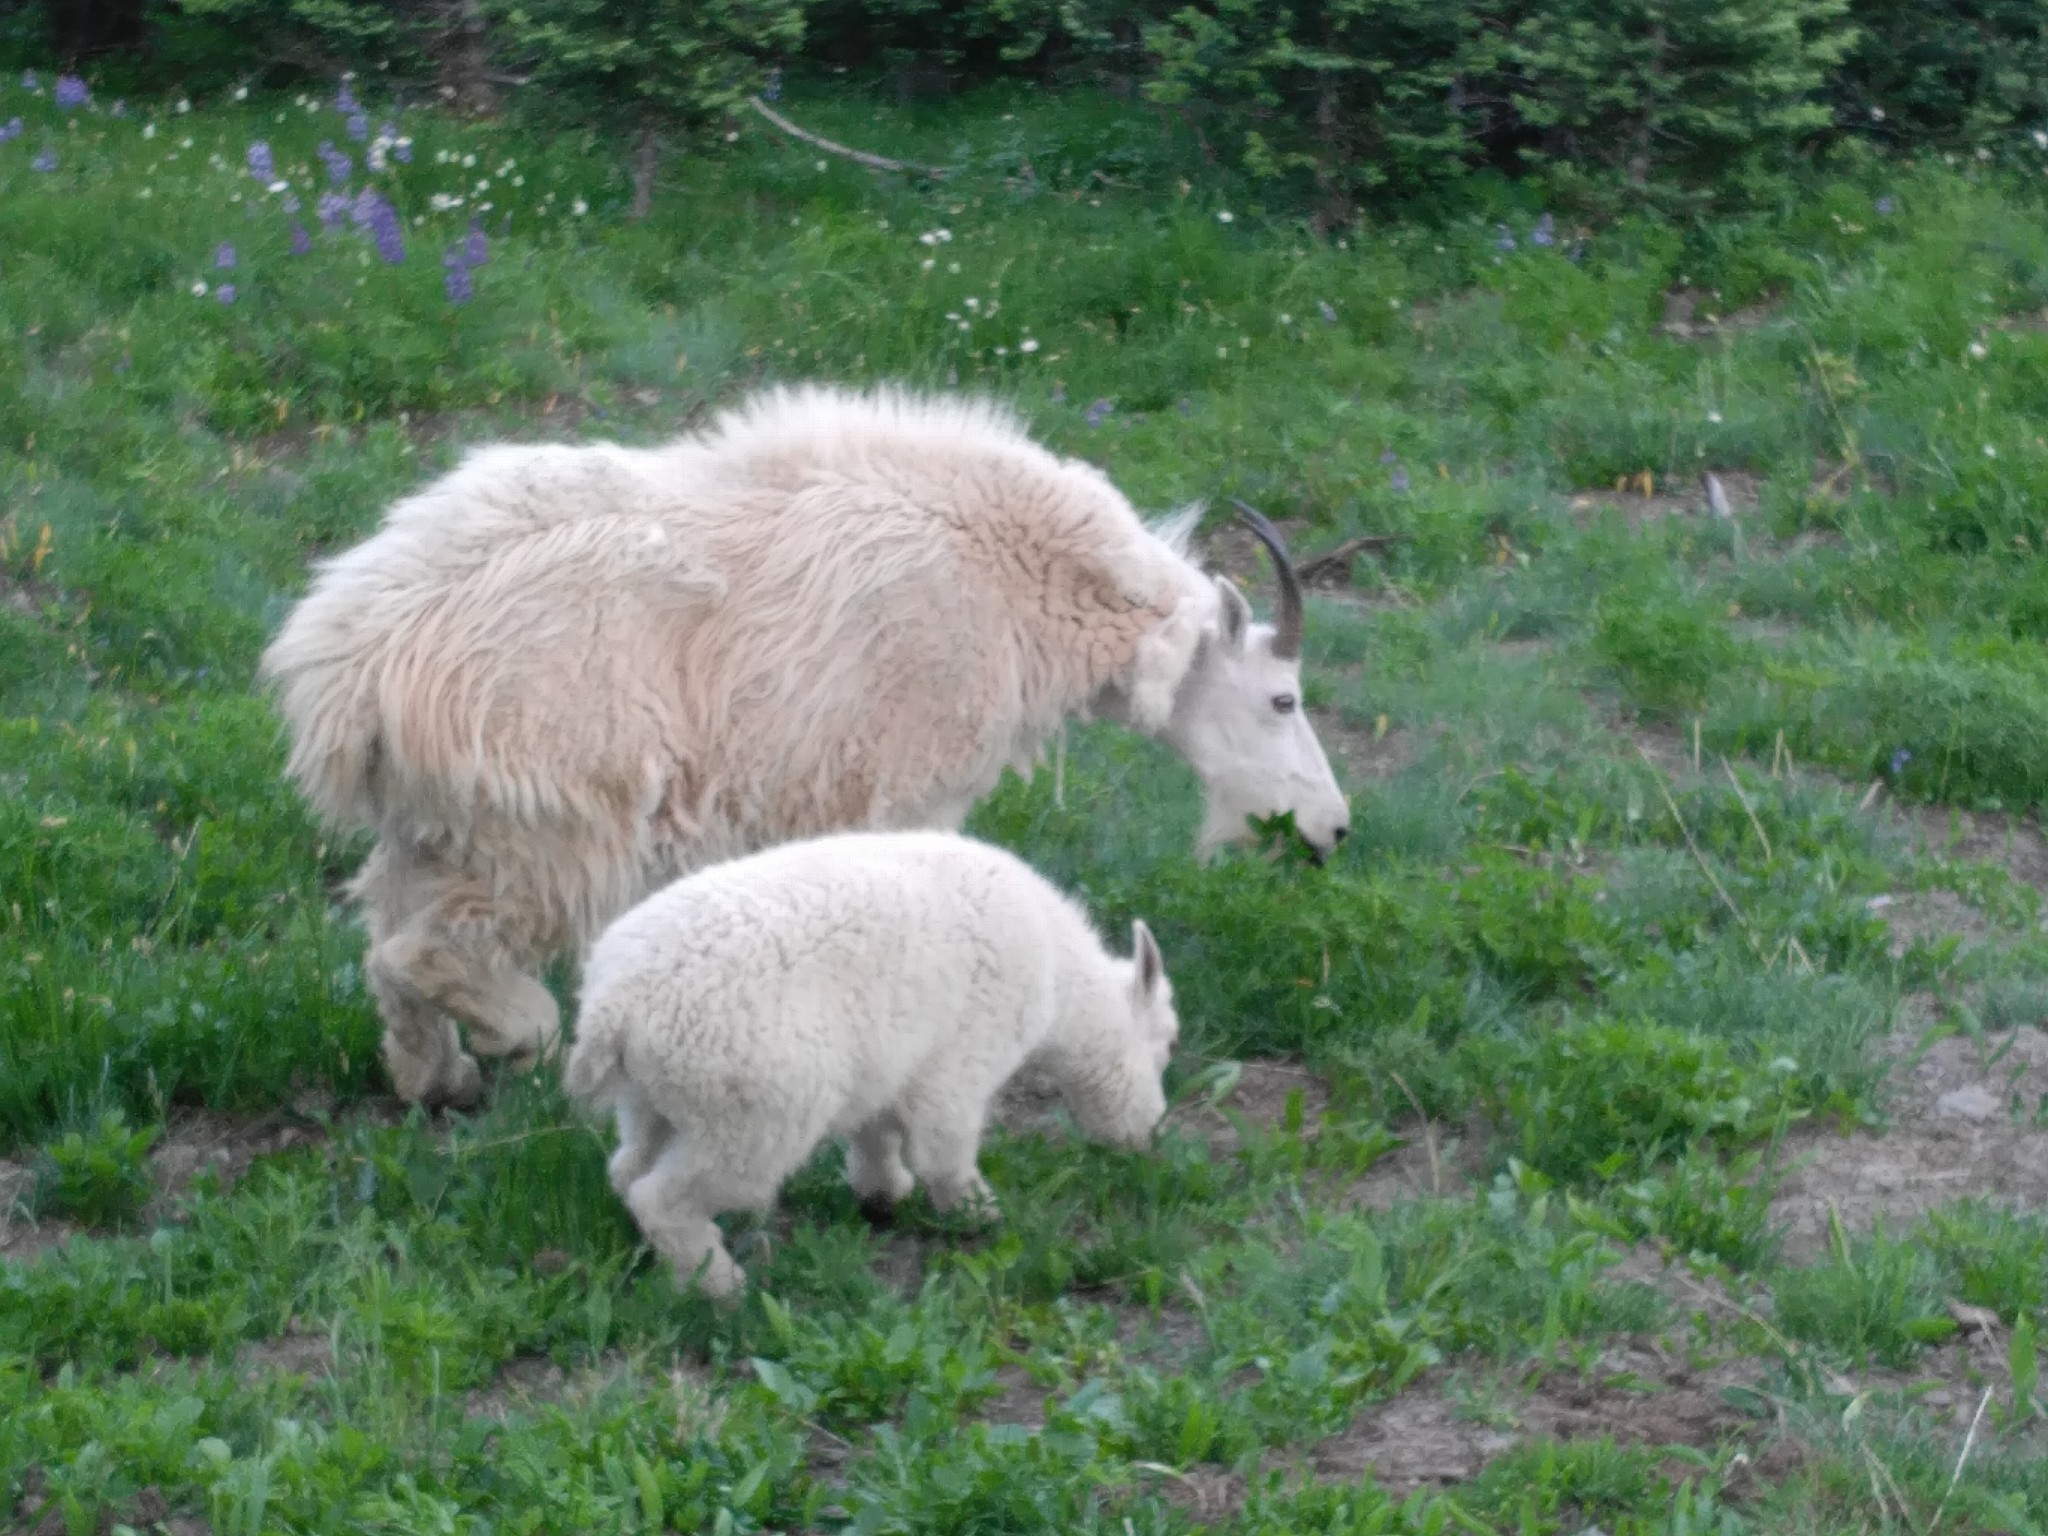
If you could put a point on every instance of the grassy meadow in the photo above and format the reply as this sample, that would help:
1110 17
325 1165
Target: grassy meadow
1641 1126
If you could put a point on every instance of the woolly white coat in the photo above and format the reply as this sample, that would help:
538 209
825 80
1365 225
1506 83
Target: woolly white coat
876 987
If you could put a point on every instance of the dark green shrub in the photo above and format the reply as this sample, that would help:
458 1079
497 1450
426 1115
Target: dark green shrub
1349 97
1671 100
1946 71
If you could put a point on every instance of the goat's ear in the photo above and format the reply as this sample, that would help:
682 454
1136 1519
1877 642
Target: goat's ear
1234 615
1160 667
1145 951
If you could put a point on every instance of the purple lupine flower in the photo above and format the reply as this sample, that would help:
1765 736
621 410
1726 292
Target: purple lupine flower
289 202
346 101
1545 232
460 285
338 165
358 126
45 162
1059 394
1388 456
772 91
1899 760
1096 413
13 130
375 213
71 92
1323 308
301 241
1886 206
476 250
1506 239
225 293
332 208
261 163
1398 479
224 256
401 150
29 81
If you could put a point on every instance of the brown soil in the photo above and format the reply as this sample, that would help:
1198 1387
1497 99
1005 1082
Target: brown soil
1690 314
1448 1426
1962 1125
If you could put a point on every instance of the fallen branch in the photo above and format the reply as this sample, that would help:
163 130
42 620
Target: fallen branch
1337 562
857 156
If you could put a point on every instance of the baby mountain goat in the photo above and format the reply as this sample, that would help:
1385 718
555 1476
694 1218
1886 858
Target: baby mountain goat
875 986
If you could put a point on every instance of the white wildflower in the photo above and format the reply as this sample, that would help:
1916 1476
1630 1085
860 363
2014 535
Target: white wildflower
1287 319
184 105
199 289
468 161
1028 344
1977 349
241 93
1714 417
149 130
972 302
579 207
1990 452
926 265
1225 216
278 186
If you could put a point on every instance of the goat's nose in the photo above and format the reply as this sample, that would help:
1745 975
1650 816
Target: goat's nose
1339 835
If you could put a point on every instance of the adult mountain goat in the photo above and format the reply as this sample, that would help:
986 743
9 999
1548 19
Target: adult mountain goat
560 676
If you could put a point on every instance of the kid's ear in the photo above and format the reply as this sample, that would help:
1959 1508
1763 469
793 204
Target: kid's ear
1145 950
1234 614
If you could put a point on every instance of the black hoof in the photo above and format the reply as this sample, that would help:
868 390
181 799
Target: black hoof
878 1210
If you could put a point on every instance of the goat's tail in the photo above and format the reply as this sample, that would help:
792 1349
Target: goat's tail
594 1073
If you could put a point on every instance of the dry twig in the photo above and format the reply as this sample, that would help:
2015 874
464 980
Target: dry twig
858 156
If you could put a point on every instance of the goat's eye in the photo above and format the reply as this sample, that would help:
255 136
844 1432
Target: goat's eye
1283 703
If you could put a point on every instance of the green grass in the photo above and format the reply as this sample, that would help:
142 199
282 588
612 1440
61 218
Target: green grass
1628 978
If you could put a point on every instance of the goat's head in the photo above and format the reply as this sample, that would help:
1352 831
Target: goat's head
1239 721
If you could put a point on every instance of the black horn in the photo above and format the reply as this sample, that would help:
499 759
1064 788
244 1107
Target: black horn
1287 632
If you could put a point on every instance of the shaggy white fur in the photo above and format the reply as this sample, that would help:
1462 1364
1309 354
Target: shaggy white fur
878 987
558 677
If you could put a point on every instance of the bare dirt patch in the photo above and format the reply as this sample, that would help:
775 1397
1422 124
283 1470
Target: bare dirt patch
1446 1427
1693 314
149 1511
1963 1125
1434 1161
1364 754
1640 501
529 1382
1943 832
1029 1103
298 1351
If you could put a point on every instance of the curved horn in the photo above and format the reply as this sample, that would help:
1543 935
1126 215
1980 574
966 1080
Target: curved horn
1287 632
